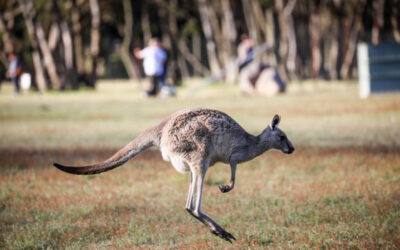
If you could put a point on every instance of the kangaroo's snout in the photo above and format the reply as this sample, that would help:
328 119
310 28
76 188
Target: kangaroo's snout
289 149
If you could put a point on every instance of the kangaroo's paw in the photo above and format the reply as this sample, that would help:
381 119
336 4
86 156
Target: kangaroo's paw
225 188
220 232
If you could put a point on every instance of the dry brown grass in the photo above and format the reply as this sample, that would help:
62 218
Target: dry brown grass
341 188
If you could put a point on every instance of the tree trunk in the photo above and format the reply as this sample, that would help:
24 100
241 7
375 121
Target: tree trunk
4 61
95 40
228 24
130 68
54 35
78 48
8 44
291 37
48 58
378 20
145 23
183 67
250 22
192 59
59 28
230 36
208 33
352 44
270 36
196 48
259 18
70 74
334 47
315 37
171 34
348 58
224 34
29 14
394 20
283 42
216 30
39 71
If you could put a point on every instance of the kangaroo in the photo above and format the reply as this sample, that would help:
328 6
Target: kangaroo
193 140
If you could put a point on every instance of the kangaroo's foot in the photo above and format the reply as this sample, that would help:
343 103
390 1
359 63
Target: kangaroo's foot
220 232
225 188
212 225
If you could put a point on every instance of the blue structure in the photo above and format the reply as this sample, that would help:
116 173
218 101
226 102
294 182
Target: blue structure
378 68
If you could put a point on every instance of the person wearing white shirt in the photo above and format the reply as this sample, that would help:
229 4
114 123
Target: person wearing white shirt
154 58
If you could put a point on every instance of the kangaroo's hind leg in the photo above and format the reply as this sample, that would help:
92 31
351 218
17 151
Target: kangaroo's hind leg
193 205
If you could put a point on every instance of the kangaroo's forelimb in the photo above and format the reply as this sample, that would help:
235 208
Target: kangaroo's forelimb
227 188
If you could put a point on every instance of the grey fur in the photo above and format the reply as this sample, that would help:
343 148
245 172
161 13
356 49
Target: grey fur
193 140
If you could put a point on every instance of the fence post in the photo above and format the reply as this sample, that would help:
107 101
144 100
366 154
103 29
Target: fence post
363 70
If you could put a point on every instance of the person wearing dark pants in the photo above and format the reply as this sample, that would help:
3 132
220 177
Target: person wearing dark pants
14 71
155 82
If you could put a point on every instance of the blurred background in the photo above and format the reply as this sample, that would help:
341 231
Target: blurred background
74 90
72 43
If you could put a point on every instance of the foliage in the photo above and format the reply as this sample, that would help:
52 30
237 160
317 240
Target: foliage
321 45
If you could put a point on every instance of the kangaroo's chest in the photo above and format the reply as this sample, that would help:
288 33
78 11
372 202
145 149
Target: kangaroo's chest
221 148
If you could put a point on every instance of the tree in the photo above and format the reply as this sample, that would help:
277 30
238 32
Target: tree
356 19
77 39
66 41
208 33
315 36
29 15
378 9
94 40
395 20
126 43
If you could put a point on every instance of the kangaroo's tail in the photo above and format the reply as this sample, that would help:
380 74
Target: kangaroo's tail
149 138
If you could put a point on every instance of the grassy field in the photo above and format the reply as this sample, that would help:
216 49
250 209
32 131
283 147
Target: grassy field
340 189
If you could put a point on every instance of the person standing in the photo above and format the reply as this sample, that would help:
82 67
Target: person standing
163 77
14 71
154 58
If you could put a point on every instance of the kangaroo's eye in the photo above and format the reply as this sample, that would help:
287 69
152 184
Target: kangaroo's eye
281 137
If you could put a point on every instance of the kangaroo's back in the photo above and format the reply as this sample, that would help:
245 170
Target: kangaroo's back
201 131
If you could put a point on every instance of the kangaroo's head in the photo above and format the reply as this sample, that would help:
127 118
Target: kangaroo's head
276 138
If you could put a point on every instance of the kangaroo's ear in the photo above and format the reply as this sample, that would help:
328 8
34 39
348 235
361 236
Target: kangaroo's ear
275 121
